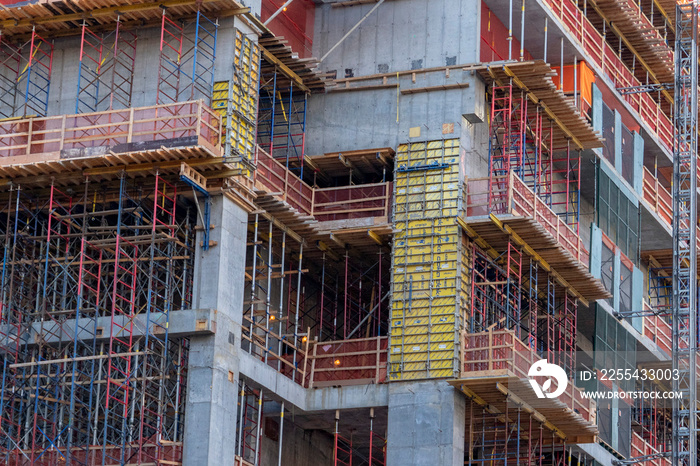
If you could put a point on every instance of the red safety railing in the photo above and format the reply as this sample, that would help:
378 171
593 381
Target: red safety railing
359 201
601 55
348 362
95 134
660 201
658 197
276 179
658 330
641 447
522 202
501 350
367 200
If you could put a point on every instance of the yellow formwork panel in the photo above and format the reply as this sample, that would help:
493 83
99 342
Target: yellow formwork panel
438 315
427 261
413 305
412 336
406 256
420 152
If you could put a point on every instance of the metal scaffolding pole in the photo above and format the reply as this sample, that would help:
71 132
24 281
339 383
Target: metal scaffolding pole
684 309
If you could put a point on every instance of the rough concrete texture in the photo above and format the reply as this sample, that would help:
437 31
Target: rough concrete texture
398 36
212 382
426 424
66 59
394 39
374 113
300 447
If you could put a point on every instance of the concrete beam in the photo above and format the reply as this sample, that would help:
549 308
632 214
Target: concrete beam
277 385
182 323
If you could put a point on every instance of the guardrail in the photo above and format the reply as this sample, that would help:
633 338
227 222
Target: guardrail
601 54
72 135
658 330
338 203
348 362
641 448
658 197
502 350
367 200
515 198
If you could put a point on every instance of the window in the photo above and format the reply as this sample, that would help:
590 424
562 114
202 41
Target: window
618 217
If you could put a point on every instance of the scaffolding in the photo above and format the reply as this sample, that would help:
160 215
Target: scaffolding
522 142
106 69
684 308
90 277
287 310
282 120
25 76
187 58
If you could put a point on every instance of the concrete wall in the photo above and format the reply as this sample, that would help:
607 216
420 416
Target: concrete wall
212 372
300 447
64 78
399 35
426 424
341 121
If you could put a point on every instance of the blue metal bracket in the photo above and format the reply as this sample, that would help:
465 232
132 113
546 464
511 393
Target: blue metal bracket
207 209
429 166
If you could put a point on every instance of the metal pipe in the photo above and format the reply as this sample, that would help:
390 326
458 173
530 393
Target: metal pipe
351 30
267 293
279 452
240 421
323 295
345 298
546 23
296 316
253 287
258 429
522 31
510 30
279 10
279 311
561 69
575 84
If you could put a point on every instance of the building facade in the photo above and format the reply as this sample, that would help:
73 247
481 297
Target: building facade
334 232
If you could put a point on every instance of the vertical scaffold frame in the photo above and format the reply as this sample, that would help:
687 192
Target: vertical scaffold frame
187 58
684 308
106 69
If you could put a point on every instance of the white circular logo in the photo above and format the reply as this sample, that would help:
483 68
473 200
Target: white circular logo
551 371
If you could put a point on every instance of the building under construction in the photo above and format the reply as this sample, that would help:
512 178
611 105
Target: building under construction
340 232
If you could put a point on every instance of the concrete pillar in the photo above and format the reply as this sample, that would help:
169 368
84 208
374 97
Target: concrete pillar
426 424
212 379
618 142
638 142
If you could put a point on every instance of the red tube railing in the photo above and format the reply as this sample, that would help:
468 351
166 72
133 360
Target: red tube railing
71 135
604 57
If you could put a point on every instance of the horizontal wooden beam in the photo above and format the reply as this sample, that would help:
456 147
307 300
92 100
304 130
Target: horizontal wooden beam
108 11
285 69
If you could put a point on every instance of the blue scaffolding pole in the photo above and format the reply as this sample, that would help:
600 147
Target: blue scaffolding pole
37 76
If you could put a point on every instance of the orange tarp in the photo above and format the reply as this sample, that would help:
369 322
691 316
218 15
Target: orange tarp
584 76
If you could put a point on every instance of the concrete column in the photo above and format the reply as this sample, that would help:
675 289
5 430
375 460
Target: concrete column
212 379
618 142
597 109
638 142
426 424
